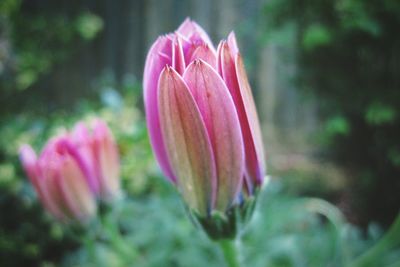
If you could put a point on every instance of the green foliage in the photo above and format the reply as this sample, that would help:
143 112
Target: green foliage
315 36
89 25
348 56
337 126
38 40
378 114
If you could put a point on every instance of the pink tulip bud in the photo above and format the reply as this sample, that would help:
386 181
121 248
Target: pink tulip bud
106 160
74 170
202 120
61 179
100 153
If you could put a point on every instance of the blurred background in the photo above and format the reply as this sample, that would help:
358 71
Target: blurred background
326 79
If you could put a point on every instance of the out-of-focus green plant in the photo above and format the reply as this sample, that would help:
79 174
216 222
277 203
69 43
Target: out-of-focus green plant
348 54
33 41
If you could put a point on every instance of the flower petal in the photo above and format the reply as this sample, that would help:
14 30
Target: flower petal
82 143
178 60
192 36
75 191
187 142
255 150
193 31
36 176
157 59
233 44
206 54
28 159
219 114
65 146
107 159
48 184
242 97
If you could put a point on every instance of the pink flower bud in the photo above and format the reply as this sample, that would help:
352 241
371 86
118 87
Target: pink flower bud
100 152
202 120
74 170
61 179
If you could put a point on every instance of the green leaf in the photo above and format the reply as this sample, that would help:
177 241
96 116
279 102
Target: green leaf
89 25
337 126
316 35
378 114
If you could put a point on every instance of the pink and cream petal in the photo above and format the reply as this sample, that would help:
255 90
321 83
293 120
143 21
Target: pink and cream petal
28 159
76 193
107 159
65 146
219 114
187 142
191 30
255 150
178 59
206 54
254 159
233 44
155 62
52 196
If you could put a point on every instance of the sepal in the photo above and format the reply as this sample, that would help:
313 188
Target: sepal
226 225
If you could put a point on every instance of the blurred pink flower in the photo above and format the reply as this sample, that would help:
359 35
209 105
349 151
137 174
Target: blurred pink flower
202 119
74 170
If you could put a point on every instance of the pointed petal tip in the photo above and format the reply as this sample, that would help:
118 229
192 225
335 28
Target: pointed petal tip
255 149
222 123
187 142
27 155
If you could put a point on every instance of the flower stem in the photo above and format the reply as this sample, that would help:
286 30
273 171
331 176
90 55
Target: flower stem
110 227
231 253
91 250
336 218
387 242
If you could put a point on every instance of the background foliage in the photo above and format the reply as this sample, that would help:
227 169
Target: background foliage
349 55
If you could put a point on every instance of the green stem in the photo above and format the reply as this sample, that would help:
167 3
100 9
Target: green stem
231 253
126 251
335 217
387 242
90 249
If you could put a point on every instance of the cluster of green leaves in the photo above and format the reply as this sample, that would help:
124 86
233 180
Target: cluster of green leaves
349 54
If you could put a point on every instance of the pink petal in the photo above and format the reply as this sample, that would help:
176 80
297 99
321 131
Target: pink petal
28 159
255 150
155 62
192 36
187 142
48 184
76 194
178 60
241 95
82 142
219 58
206 54
233 44
191 30
65 146
107 158
219 114
35 174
